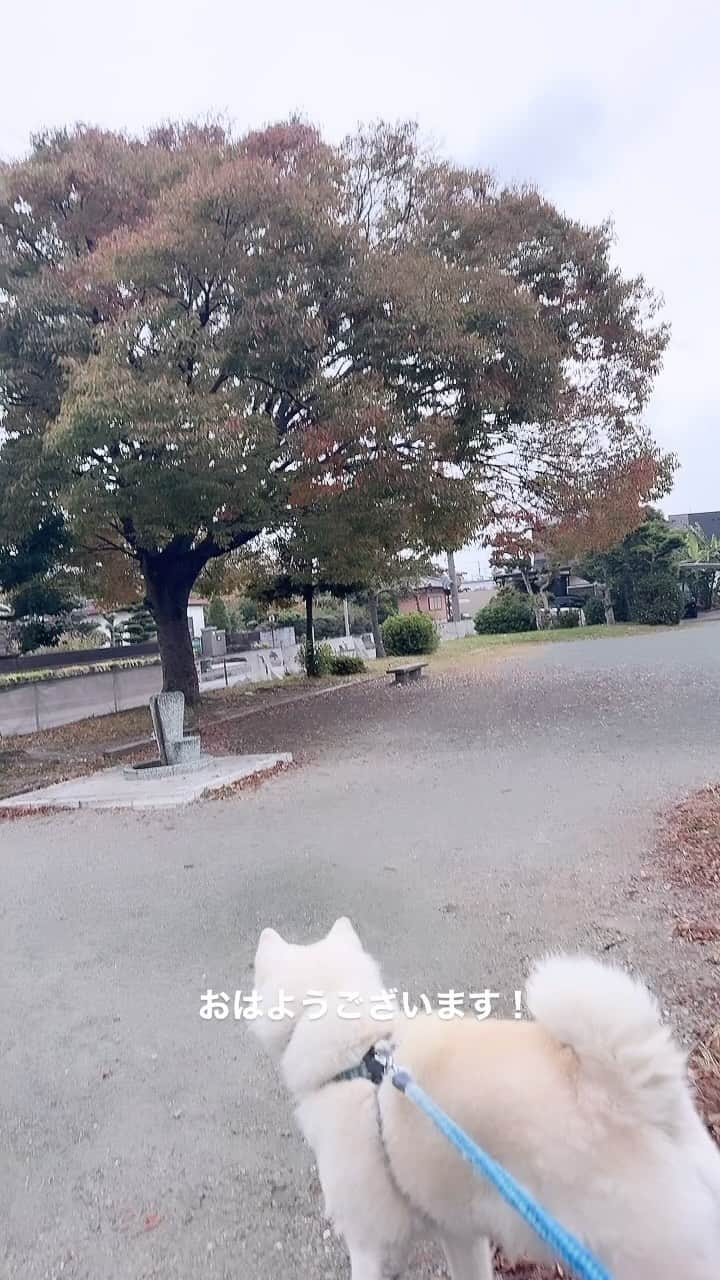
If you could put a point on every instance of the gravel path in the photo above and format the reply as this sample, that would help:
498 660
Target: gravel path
465 824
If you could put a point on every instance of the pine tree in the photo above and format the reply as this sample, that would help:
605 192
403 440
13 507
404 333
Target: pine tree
140 626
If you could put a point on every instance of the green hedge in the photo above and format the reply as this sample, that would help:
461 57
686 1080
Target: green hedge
409 633
508 611
658 601
347 664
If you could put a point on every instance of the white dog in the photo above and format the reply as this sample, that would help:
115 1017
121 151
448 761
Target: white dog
588 1107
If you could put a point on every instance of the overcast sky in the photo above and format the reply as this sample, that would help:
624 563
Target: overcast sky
611 107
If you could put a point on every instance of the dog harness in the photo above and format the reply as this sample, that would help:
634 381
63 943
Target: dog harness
373 1067
378 1063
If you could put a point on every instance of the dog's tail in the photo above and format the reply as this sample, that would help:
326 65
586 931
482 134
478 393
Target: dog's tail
613 1024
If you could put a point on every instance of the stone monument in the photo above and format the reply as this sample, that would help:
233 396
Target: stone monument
178 752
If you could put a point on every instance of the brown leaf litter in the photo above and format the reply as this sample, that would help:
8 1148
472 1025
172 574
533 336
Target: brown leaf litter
689 841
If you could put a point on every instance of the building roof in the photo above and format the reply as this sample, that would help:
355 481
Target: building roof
434 584
198 600
708 521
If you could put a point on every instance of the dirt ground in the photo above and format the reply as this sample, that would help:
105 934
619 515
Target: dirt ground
38 759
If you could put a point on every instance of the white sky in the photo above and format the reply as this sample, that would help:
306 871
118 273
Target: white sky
612 107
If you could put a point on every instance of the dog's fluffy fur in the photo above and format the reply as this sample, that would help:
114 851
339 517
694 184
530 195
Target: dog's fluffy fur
588 1106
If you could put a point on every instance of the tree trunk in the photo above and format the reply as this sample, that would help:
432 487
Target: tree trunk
373 598
311 666
168 585
535 601
454 593
609 611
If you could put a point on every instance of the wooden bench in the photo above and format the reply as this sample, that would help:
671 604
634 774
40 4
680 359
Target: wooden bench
408 672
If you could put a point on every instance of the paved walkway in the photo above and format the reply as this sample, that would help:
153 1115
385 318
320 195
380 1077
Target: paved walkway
464 825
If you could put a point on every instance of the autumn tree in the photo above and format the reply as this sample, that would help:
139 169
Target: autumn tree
198 331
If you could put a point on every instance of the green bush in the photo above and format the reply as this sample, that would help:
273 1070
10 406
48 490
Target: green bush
508 611
346 664
327 623
217 614
39 635
409 633
323 659
658 601
594 611
566 619
243 614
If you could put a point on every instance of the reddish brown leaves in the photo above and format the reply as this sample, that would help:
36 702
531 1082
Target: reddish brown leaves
689 842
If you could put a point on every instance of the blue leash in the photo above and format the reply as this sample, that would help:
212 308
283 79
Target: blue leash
570 1250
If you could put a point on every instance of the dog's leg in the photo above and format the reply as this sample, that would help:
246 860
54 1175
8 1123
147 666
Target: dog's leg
369 1264
379 1264
366 1266
468 1260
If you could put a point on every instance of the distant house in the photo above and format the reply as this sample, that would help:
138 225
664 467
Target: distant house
564 585
196 615
708 521
430 595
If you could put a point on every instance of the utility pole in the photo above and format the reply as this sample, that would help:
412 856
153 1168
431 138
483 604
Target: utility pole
347 618
454 593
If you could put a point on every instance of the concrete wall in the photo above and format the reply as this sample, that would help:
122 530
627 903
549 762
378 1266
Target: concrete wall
455 630
273 664
47 703
277 637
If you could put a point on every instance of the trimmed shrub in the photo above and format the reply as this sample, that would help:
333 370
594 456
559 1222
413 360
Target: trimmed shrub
347 664
508 611
594 611
658 601
409 633
567 618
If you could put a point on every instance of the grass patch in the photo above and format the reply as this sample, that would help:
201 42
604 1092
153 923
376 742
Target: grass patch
560 635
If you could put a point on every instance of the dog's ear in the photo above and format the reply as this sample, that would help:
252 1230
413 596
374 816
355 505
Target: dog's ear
343 928
269 952
270 939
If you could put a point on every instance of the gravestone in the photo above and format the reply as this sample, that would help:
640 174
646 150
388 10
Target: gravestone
167 711
178 752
